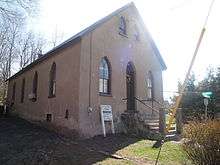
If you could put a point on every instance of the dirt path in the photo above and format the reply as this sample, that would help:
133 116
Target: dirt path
24 143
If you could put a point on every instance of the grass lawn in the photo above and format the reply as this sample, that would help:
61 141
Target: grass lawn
25 143
142 151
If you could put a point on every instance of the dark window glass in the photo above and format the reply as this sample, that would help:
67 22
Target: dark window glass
150 92
35 84
13 92
122 26
22 90
67 114
49 117
52 81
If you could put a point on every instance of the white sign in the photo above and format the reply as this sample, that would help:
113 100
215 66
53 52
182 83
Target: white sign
106 112
106 115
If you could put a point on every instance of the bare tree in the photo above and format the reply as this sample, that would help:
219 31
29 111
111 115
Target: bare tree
8 35
57 37
30 47
13 14
17 10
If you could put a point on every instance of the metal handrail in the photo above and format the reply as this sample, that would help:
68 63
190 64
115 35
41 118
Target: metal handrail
146 104
141 101
154 101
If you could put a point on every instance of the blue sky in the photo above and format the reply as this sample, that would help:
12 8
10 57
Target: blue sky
174 24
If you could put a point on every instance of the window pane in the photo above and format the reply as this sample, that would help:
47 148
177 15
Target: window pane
105 73
103 69
54 88
105 86
52 81
149 93
100 85
22 90
13 93
149 83
104 76
122 25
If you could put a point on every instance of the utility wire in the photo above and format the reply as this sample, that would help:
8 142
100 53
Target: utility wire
185 81
209 11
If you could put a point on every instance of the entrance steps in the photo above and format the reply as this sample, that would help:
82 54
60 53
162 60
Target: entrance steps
171 135
135 123
153 124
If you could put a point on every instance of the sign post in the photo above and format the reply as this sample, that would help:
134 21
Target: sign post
207 96
106 115
206 102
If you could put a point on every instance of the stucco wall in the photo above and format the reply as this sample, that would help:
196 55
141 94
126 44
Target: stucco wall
106 41
77 79
67 85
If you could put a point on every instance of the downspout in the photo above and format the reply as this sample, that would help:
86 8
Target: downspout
90 71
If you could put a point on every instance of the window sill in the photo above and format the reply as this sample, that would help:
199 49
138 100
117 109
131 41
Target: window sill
51 96
105 94
148 99
124 35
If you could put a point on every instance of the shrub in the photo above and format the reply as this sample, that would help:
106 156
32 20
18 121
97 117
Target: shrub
202 142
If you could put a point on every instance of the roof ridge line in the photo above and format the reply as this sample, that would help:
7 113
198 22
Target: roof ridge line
75 38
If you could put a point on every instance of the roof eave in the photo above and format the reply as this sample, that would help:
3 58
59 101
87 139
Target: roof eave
46 56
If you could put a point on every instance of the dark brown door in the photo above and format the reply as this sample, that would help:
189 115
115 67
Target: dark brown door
130 82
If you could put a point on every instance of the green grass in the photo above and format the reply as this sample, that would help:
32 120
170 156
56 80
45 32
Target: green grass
142 152
171 153
110 161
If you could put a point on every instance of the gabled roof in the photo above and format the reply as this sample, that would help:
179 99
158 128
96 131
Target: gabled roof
77 37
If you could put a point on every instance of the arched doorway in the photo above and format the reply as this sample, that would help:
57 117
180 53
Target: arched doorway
130 83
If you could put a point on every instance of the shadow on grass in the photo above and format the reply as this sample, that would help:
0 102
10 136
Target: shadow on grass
22 142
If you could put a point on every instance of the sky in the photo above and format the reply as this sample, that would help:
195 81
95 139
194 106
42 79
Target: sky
175 26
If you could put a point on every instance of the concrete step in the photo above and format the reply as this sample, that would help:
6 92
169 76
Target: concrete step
153 124
172 125
170 136
154 128
173 137
172 131
151 121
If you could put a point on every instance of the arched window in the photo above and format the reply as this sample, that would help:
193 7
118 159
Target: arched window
150 92
52 81
34 88
104 76
22 90
131 86
122 26
13 92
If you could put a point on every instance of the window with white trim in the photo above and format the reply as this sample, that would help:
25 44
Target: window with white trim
104 76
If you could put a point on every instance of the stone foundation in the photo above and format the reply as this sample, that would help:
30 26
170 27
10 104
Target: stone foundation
136 124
